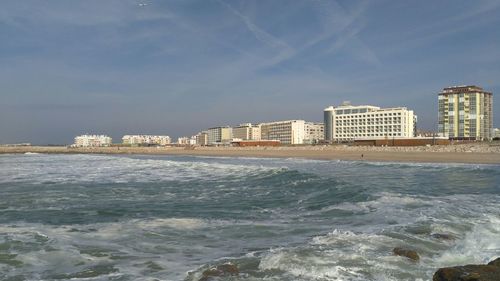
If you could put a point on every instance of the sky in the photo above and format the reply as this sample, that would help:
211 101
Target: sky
176 67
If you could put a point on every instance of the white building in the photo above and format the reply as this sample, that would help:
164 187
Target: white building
186 140
348 123
314 132
496 133
92 141
246 131
287 132
146 140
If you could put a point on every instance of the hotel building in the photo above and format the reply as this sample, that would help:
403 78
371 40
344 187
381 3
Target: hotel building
465 112
349 123
287 132
219 135
92 141
146 140
314 132
247 131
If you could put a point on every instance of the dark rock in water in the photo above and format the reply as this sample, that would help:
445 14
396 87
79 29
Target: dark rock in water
443 236
470 272
229 268
221 270
412 255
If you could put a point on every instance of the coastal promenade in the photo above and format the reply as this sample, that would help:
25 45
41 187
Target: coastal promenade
461 153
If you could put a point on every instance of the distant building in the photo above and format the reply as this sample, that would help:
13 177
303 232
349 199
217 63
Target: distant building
287 132
349 123
496 133
314 132
201 138
92 141
186 140
218 135
146 140
465 112
246 131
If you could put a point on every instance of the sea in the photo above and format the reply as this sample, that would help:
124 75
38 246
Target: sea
115 217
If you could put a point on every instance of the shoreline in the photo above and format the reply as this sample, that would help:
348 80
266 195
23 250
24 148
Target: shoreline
466 154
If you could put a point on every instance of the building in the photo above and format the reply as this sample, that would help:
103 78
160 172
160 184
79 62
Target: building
145 140
496 133
218 135
201 138
246 131
92 141
186 140
314 132
465 113
287 132
348 123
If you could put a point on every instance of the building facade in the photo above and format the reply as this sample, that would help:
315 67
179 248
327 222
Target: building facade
465 112
146 140
246 131
496 133
92 141
287 132
201 139
314 132
219 135
349 123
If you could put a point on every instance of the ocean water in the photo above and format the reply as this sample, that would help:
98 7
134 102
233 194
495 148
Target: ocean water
98 217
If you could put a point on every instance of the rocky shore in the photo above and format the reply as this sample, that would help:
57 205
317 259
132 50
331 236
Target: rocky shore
470 272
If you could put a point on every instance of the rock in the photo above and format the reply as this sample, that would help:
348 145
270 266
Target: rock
229 268
470 272
221 270
412 255
495 262
443 236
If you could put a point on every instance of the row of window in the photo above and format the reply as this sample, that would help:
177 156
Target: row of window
370 115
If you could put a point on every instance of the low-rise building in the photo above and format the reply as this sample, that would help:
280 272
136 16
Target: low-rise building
314 132
92 141
349 123
186 140
496 133
146 140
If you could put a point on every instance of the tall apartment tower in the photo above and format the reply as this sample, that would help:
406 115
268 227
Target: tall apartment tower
465 112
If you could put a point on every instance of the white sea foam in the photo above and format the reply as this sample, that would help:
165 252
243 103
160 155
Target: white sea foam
114 169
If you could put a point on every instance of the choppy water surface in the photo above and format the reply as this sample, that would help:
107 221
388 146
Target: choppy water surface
86 217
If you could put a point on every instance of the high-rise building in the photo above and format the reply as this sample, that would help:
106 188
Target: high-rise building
218 135
201 138
465 112
287 132
349 123
246 131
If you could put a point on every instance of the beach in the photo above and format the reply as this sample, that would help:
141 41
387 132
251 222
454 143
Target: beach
483 153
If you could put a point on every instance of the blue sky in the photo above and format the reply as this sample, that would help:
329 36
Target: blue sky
177 67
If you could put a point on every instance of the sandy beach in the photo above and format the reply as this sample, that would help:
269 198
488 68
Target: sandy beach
464 153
